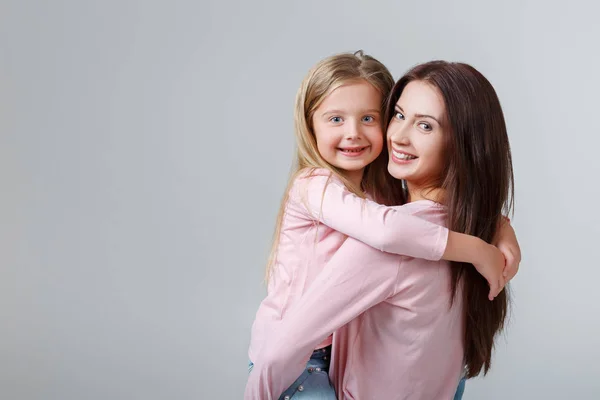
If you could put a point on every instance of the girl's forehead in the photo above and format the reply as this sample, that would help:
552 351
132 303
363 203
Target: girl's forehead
354 94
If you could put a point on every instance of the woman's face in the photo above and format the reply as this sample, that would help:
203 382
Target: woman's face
416 135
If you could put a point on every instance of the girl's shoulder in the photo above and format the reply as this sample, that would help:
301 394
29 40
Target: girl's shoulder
316 174
314 181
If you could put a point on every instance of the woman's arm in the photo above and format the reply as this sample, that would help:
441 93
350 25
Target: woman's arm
356 278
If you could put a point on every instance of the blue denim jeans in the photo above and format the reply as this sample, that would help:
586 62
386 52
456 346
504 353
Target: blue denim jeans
460 389
313 383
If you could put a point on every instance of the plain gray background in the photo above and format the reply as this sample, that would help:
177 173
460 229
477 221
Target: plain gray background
145 146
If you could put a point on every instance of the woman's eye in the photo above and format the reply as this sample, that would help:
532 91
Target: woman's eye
399 115
335 119
425 126
368 118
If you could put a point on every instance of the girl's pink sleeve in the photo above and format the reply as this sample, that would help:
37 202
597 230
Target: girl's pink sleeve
389 229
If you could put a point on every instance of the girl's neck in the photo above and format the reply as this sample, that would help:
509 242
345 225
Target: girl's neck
355 177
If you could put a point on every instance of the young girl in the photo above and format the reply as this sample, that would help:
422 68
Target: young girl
339 132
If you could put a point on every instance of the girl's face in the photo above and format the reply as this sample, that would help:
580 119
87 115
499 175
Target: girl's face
347 127
416 136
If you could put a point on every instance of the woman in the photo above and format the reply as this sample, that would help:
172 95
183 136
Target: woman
414 323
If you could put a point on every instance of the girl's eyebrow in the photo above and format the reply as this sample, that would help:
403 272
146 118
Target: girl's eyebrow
332 112
370 110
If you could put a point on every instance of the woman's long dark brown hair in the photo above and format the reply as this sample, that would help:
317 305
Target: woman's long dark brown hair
478 185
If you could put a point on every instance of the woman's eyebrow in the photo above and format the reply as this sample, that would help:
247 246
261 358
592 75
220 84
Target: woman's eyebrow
427 116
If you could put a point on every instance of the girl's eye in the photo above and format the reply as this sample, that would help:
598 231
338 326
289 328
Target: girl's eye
399 115
425 126
368 118
335 119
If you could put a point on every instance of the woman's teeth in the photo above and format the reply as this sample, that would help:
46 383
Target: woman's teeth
403 156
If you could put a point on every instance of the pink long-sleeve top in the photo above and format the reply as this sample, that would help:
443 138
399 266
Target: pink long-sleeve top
320 215
397 334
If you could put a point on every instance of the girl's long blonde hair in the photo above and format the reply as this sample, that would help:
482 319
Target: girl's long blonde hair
328 75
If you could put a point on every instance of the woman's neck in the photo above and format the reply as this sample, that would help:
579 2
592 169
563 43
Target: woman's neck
416 193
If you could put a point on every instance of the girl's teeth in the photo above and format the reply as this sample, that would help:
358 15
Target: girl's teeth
403 156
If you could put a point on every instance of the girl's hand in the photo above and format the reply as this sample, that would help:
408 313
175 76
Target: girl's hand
491 266
506 241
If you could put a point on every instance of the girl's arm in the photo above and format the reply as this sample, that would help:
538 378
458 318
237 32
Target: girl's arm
324 198
506 241
391 229
487 259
